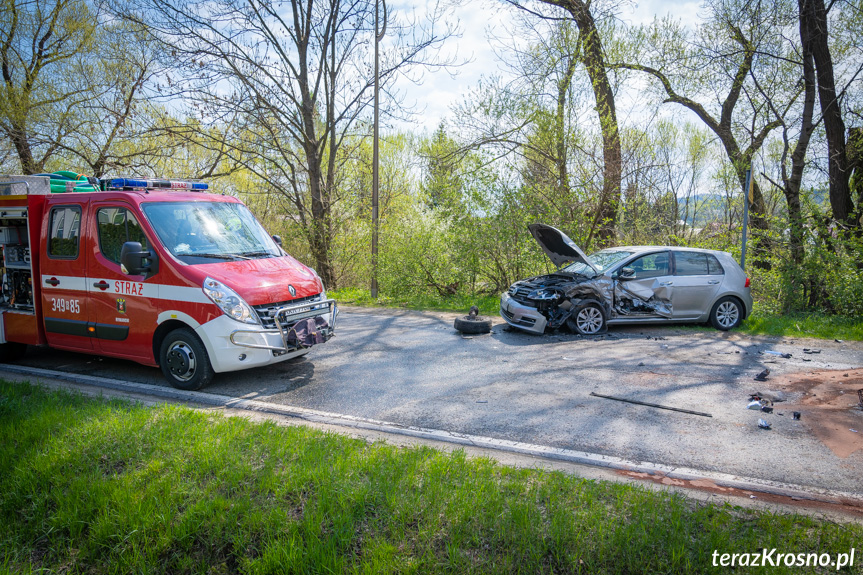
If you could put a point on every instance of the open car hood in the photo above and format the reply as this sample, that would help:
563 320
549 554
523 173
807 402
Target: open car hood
560 249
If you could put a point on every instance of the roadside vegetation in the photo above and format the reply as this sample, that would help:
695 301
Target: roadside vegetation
90 485
815 325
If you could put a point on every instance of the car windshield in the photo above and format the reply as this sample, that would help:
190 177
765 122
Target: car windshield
602 260
201 232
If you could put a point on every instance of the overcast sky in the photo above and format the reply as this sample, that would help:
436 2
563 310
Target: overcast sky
477 19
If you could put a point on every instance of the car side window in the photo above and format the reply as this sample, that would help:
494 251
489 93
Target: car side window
650 266
714 268
116 227
690 264
64 233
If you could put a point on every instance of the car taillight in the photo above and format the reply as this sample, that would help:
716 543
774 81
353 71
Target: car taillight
747 283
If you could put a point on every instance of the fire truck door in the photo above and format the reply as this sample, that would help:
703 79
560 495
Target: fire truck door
63 278
123 305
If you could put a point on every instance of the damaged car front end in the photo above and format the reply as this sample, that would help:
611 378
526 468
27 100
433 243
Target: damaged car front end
625 285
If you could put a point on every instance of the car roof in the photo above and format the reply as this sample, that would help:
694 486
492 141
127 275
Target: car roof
645 249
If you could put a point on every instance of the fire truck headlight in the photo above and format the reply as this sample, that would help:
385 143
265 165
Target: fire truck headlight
229 301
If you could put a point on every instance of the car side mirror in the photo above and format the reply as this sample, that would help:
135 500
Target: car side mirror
278 240
136 261
625 274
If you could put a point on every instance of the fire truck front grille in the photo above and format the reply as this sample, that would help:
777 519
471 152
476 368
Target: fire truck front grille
267 311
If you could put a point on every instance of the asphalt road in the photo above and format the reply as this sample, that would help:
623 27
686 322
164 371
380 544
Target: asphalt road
414 369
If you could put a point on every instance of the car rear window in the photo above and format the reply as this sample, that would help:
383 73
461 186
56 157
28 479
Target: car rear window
713 266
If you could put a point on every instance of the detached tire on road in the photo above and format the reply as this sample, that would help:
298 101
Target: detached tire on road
727 313
468 324
588 318
184 360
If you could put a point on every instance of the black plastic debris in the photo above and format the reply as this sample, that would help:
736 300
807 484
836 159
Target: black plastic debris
766 409
763 375
811 351
763 424
795 415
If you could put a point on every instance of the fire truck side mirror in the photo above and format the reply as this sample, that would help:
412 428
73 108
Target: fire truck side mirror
278 240
137 261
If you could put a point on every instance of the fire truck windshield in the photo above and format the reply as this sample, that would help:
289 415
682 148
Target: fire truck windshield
200 232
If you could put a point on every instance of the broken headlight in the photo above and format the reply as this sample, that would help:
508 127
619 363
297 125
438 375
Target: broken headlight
543 294
544 298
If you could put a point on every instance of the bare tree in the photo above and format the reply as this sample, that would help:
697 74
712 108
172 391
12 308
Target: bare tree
591 53
717 63
39 40
293 81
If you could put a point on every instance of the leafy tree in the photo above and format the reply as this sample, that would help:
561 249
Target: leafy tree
292 83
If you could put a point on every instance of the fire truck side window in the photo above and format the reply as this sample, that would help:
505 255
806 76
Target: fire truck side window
116 227
65 229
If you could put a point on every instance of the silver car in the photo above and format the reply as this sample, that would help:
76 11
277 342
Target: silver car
631 284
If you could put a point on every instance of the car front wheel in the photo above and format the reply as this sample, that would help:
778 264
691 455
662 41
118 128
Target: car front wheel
727 313
184 360
587 319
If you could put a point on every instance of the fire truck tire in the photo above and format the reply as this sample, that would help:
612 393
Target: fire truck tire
11 351
184 360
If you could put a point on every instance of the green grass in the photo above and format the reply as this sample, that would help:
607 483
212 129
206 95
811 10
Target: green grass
487 304
95 486
816 325
805 325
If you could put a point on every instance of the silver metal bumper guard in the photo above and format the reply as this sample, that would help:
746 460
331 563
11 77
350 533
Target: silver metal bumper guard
292 314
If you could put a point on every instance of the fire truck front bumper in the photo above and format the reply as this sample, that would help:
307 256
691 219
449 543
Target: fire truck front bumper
232 349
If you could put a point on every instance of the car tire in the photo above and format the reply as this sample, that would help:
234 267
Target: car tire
12 351
184 360
727 313
588 318
472 325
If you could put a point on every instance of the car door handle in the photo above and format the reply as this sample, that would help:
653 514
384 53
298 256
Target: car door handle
52 281
713 282
666 283
102 285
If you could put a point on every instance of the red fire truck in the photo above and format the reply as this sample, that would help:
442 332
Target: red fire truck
156 271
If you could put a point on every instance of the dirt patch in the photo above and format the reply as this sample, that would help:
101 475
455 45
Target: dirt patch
845 507
828 406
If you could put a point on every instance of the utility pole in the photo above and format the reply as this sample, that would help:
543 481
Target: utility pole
746 198
379 35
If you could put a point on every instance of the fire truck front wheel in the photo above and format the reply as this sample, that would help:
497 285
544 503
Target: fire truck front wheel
184 360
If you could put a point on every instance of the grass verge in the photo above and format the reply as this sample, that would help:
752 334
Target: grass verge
805 325
487 304
759 323
89 485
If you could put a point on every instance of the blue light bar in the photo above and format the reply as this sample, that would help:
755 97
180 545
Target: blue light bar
135 184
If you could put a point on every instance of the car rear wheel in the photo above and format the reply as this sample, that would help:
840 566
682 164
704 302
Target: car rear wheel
184 360
587 319
727 313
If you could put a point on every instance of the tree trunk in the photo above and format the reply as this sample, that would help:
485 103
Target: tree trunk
19 139
813 15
